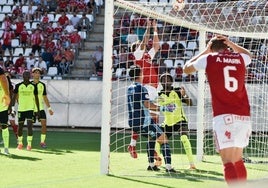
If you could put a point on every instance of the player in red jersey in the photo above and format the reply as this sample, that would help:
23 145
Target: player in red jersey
225 70
144 58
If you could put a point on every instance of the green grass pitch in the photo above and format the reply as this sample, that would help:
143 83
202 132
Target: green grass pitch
72 160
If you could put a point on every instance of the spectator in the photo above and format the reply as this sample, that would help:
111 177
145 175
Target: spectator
72 6
74 20
37 41
84 23
64 66
99 68
91 7
62 6
57 58
81 6
19 23
49 45
132 37
30 61
57 31
40 63
75 40
6 23
47 56
179 73
18 64
17 12
164 49
45 19
11 70
98 54
49 30
7 37
29 13
24 38
65 39
39 11
63 20
52 5
178 49
69 55
69 28
8 62
21 70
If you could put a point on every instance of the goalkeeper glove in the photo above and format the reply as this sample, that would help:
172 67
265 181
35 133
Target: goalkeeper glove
168 108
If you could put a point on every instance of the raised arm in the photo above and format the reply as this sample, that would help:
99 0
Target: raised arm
235 47
146 35
156 44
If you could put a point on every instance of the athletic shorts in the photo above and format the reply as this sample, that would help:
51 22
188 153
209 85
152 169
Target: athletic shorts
231 131
152 131
153 95
42 115
4 117
29 115
170 130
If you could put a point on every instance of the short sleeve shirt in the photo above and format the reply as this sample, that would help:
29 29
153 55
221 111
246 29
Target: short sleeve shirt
26 96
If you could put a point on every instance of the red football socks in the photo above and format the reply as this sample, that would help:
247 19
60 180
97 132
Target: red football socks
230 173
241 170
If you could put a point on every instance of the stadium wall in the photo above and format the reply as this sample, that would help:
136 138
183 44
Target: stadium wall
78 103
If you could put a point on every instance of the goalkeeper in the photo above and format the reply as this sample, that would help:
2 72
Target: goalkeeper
176 120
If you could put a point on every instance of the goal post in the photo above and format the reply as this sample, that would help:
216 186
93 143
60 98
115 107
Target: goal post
245 22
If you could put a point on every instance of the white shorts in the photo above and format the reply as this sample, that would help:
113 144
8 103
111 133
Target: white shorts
153 95
231 131
10 117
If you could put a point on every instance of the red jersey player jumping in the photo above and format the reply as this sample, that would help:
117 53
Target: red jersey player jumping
226 70
143 58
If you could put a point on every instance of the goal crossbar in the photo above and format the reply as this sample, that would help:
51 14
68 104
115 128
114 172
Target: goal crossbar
210 17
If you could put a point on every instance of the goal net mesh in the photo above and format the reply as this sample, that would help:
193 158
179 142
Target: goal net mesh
245 22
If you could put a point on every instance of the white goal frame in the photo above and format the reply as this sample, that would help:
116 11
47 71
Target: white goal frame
108 61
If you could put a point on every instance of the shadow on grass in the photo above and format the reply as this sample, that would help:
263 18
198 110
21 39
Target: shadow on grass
53 151
139 181
59 142
197 175
20 157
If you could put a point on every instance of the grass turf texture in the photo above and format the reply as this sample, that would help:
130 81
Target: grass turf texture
72 159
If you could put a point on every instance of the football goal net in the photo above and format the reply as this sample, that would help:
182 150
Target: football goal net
182 34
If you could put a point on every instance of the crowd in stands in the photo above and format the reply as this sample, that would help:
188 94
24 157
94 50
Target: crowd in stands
178 44
44 33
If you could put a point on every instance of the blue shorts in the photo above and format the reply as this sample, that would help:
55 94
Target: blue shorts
152 131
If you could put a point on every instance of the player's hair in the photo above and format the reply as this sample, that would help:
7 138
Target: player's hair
165 75
134 72
218 45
